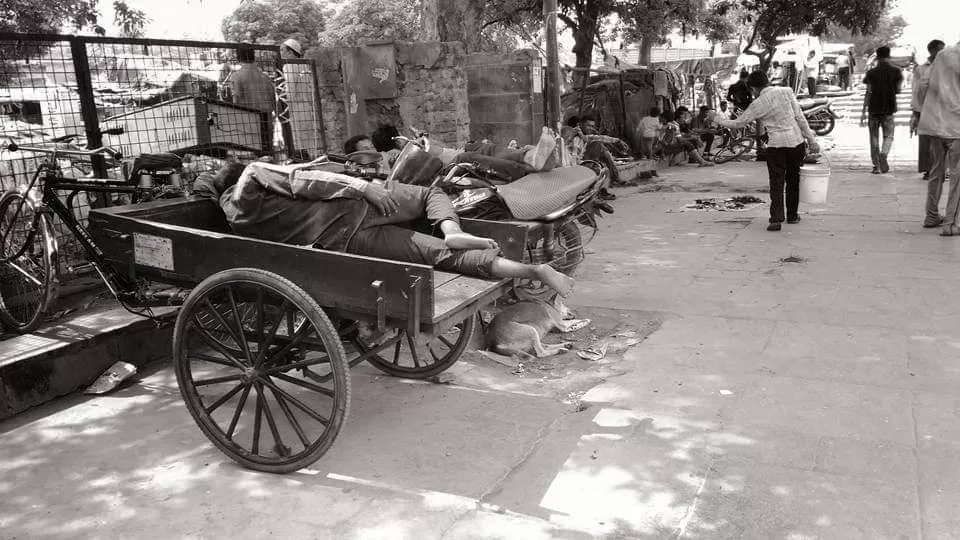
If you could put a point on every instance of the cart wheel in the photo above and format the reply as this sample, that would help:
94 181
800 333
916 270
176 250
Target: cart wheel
261 369
434 358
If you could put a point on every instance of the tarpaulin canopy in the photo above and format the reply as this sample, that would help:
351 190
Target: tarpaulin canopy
700 66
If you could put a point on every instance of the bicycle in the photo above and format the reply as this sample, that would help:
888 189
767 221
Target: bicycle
28 244
733 146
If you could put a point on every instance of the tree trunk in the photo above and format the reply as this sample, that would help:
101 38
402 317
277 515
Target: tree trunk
429 12
583 47
646 47
460 20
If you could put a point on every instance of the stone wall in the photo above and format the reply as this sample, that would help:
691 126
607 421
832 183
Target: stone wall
431 94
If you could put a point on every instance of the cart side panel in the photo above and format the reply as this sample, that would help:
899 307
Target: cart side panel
511 238
176 254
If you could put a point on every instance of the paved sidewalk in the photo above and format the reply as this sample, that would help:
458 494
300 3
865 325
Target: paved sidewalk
800 384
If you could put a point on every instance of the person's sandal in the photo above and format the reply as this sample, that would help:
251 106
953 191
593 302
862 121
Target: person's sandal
939 222
950 230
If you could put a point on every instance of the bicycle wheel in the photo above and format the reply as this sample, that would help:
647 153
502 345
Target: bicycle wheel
27 263
733 150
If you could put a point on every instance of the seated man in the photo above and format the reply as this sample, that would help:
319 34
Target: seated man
701 126
583 143
293 205
673 142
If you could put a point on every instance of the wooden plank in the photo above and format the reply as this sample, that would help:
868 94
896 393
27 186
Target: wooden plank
458 298
439 277
511 237
176 254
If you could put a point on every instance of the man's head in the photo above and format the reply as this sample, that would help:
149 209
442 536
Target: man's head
358 143
776 65
758 81
668 116
934 48
245 55
291 48
383 137
588 126
704 110
743 74
883 53
811 54
573 121
654 112
723 106
227 176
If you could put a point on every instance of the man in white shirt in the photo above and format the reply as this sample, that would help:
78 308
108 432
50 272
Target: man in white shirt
921 76
787 129
811 68
843 70
939 98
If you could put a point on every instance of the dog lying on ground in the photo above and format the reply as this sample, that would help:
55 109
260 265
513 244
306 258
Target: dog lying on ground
518 330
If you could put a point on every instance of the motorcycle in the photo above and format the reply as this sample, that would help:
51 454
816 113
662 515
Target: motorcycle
553 204
821 118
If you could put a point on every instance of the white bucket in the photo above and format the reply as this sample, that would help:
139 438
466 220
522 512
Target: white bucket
814 182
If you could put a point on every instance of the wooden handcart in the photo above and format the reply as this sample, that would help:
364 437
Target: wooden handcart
266 335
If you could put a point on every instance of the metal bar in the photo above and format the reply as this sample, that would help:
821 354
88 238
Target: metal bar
88 107
623 110
553 65
14 36
318 105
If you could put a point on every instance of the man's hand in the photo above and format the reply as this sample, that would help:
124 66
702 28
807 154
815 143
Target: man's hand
813 147
914 122
381 199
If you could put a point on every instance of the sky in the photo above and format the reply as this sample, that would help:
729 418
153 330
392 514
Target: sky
200 19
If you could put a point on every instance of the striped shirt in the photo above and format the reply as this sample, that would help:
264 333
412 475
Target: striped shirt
777 108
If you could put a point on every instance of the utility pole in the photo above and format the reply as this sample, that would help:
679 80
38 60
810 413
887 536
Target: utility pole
552 116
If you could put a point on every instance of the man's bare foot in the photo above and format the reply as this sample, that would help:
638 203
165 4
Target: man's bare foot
462 240
555 279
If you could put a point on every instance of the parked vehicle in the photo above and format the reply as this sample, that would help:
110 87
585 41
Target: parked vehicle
820 116
553 204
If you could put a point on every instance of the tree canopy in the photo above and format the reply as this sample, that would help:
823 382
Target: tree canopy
46 16
766 20
889 30
361 21
272 21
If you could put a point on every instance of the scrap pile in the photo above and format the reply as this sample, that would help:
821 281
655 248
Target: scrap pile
733 204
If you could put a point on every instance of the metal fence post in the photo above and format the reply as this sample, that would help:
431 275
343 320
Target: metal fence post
88 109
318 105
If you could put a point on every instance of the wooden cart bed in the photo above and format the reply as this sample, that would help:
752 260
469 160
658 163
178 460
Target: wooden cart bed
184 241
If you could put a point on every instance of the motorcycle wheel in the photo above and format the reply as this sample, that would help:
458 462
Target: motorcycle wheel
567 253
822 123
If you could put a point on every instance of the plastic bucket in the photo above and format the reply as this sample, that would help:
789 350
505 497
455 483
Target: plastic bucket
814 183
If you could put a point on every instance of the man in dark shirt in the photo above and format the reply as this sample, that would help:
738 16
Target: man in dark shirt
883 84
739 92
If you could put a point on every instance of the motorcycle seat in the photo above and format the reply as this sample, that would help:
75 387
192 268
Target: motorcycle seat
811 103
538 194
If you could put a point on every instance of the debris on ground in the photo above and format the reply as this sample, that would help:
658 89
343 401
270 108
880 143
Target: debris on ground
793 259
594 352
733 204
111 378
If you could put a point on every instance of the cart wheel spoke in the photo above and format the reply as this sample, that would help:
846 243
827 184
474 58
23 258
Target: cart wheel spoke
291 418
223 323
304 384
265 347
297 403
226 397
446 341
218 380
396 353
212 359
297 365
239 320
215 344
256 420
278 446
236 413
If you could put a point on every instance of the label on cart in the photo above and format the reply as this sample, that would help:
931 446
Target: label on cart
155 251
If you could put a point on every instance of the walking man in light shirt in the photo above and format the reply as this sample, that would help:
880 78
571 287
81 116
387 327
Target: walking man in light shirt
921 75
787 128
939 119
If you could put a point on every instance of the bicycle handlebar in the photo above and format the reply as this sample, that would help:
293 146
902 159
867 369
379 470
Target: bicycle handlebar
103 150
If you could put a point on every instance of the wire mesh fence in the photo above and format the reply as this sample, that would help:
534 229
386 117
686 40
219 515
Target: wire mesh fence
204 101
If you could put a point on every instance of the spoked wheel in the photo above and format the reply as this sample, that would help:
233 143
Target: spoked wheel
734 150
261 369
432 358
28 252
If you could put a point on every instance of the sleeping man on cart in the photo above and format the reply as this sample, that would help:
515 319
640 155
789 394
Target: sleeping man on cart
331 211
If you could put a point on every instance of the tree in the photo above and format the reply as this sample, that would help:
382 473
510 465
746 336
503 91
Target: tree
272 21
889 30
768 20
650 21
130 20
362 21
46 16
